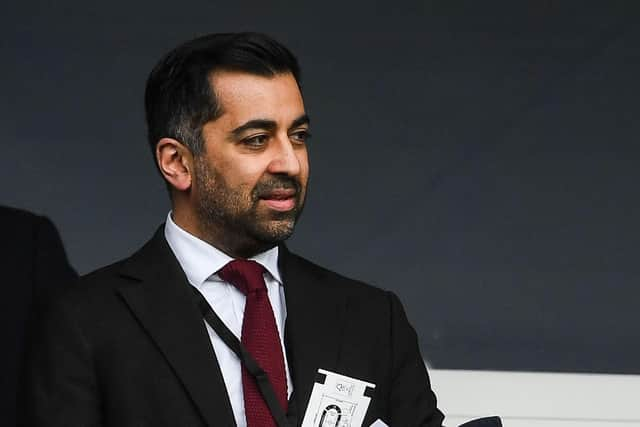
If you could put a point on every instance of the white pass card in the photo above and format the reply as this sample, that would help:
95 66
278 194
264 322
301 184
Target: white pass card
337 401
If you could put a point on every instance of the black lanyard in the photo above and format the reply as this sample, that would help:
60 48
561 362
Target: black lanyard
264 385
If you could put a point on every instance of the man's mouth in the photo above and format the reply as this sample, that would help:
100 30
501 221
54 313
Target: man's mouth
280 199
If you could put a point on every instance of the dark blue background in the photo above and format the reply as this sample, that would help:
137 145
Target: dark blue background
478 158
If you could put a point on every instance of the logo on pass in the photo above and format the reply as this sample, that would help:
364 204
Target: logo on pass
345 388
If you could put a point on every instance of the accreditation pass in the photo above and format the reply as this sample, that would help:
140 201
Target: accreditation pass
337 401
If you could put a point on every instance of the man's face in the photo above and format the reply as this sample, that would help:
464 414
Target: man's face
251 179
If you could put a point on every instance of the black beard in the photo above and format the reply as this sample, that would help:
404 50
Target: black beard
230 218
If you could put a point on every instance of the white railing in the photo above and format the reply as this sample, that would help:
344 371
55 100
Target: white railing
529 399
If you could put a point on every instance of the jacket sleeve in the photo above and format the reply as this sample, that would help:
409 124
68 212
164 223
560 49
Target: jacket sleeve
61 387
51 269
412 402
45 271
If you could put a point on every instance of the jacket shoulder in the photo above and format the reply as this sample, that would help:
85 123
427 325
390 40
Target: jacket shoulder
152 252
22 224
103 276
19 215
338 282
92 286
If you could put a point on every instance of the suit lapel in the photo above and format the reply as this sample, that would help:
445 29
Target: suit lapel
162 302
315 315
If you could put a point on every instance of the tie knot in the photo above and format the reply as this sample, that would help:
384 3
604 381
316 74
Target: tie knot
246 275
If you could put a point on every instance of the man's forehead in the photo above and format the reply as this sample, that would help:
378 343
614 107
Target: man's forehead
243 96
236 84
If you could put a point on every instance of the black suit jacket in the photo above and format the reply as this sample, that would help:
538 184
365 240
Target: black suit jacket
128 347
33 264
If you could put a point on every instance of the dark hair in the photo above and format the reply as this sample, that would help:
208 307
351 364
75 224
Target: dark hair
179 98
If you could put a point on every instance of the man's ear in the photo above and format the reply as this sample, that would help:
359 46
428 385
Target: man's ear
175 162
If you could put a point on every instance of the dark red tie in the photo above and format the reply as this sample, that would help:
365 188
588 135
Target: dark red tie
260 337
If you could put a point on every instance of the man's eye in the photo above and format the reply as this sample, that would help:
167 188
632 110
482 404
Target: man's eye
256 141
300 137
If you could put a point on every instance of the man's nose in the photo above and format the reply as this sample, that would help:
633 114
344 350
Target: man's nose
285 159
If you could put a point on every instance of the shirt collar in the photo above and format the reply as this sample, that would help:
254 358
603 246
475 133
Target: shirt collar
200 260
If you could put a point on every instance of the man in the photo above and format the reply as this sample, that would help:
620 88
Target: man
34 265
129 346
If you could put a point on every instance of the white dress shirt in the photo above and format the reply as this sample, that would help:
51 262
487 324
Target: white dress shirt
200 262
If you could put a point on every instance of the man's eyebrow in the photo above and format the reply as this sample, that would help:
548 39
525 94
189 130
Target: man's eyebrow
254 124
267 124
302 120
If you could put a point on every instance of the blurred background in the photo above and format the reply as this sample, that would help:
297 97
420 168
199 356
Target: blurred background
477 158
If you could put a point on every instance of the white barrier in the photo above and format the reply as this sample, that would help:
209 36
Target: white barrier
529 399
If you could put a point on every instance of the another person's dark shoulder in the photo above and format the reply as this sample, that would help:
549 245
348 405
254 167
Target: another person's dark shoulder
33 256
34 265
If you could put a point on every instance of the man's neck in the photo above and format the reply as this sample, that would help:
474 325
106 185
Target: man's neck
223 240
